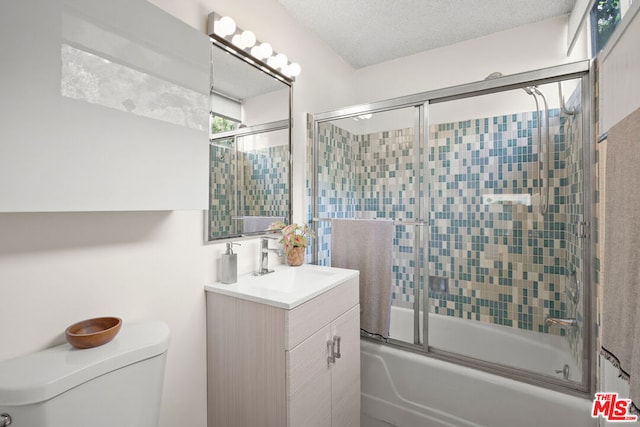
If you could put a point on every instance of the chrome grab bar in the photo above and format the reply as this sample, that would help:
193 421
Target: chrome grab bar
397 221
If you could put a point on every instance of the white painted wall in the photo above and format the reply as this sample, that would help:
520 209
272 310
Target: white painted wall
58 268
620 64
146 137
270 107
527 48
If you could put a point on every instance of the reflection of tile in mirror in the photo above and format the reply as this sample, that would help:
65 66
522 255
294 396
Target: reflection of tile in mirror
96 80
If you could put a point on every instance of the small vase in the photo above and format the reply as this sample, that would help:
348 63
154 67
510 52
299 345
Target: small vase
295 256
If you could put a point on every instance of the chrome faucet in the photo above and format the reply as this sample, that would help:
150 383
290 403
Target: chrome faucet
554 321
264 255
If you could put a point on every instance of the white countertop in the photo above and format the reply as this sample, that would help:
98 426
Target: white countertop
287 287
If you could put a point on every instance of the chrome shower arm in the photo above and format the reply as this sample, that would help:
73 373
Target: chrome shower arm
563 108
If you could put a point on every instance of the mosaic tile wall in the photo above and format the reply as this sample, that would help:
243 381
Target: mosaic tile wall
370 176
505 263
222 200
266 176
337 183
256 179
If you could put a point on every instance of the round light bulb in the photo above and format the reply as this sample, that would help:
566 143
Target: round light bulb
293 69
225 26
272 62
248 38
281 60
218 29
237 41
266 50
256 52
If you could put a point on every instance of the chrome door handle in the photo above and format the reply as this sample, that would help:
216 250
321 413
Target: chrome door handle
336 340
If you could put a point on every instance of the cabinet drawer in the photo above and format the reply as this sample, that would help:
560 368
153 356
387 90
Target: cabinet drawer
304 320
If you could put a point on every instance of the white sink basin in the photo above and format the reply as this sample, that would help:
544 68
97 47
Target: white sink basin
292 279
287 287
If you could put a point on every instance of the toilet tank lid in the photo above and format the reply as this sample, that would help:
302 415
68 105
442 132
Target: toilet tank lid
40 376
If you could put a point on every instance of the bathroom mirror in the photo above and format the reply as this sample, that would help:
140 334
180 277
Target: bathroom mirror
250 147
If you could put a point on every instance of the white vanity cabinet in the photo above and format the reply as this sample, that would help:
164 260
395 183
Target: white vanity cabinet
279 366
322 392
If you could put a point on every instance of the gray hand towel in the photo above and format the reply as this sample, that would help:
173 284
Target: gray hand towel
365 245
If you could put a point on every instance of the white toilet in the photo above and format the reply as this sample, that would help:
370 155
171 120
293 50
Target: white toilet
116 384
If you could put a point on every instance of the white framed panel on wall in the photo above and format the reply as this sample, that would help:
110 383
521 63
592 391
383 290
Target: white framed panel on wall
101 110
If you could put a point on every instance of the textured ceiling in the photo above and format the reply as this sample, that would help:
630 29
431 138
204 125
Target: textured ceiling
367 32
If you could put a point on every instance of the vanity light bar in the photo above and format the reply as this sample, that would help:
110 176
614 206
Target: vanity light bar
224 31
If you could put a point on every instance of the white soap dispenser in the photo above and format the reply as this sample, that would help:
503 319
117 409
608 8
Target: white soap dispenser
229 265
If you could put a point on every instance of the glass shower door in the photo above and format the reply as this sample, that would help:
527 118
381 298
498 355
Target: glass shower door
505 185
368 168
488 185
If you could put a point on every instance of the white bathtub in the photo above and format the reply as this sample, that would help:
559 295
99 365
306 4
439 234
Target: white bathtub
404 389
541 353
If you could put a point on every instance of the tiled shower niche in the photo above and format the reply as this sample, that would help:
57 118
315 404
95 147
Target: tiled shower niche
505 263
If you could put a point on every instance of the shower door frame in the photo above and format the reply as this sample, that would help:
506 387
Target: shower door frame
421 101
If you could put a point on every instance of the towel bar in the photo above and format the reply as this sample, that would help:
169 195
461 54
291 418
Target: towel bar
396 221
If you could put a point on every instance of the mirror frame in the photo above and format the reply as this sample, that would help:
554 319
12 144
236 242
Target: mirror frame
272 126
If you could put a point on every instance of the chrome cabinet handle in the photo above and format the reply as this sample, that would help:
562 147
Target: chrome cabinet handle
5 420
331 347
332 356
336 340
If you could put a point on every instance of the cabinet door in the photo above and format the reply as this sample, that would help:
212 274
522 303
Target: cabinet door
309 381
345 394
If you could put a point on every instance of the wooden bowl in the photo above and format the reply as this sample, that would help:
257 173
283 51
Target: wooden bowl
93 332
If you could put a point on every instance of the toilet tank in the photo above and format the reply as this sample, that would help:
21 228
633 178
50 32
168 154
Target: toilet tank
116 384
